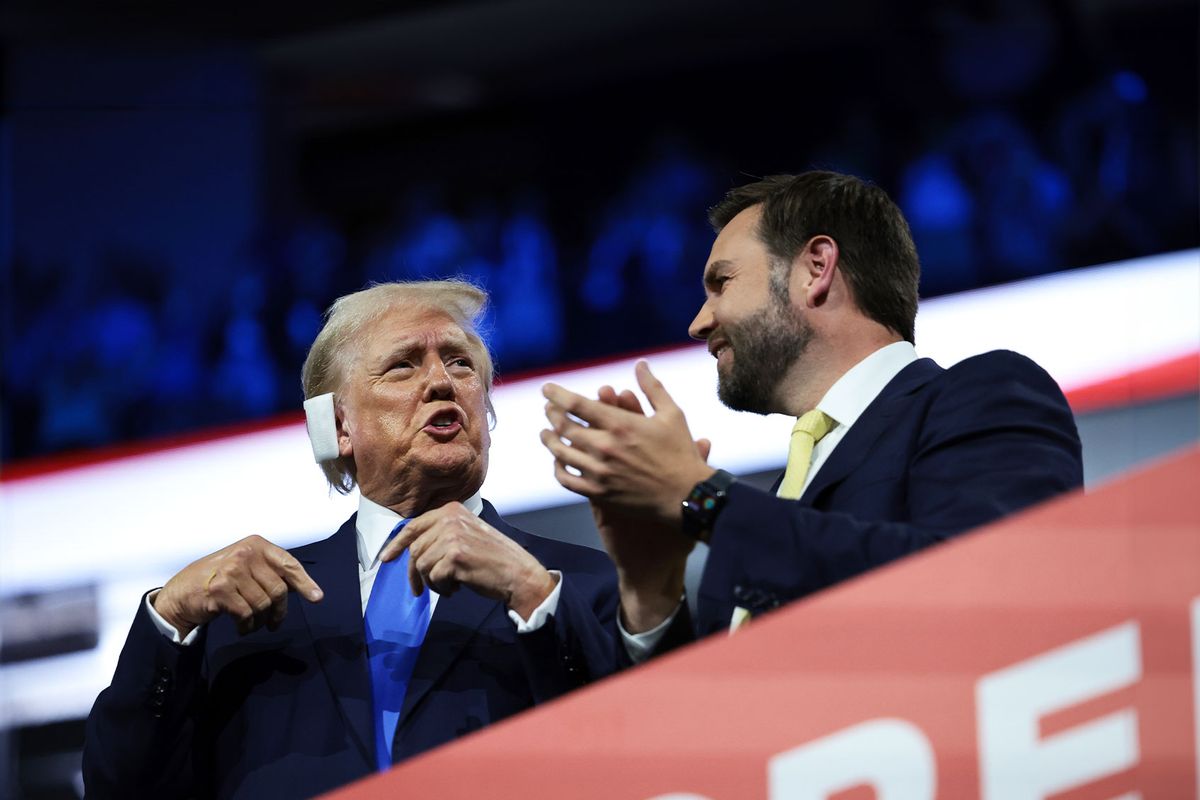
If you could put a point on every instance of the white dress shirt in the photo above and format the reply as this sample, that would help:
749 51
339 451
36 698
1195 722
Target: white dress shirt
850 395
373 525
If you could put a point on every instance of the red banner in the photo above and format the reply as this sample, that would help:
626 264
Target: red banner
1056 653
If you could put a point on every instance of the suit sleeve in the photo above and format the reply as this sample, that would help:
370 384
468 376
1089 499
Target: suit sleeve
578 644
996 436
141 731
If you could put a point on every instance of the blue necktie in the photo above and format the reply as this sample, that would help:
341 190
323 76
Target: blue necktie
395 625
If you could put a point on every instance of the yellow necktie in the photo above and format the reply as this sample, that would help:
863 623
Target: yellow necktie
807 431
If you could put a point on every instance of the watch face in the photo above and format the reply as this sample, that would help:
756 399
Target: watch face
702 505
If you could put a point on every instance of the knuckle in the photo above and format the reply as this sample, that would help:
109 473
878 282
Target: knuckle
456 557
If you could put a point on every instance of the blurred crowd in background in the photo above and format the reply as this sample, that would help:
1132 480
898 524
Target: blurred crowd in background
1020 161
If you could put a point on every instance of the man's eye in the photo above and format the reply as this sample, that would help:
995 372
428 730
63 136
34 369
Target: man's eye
461 362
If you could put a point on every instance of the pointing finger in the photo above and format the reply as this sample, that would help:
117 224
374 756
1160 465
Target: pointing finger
407 535
288 568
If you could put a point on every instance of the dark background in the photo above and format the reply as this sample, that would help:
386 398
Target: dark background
185 190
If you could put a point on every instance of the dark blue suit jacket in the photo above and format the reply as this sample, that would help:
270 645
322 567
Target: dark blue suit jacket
938 452
288 713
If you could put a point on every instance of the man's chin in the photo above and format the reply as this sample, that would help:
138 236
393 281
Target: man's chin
742 398
450 462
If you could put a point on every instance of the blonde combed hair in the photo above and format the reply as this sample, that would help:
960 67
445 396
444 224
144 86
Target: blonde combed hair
324 367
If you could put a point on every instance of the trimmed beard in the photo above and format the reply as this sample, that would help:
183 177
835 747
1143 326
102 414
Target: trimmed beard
765 346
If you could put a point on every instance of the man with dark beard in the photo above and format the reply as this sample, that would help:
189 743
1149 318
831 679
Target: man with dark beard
811 298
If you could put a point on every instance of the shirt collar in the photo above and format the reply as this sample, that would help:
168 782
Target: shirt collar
375 523
850 395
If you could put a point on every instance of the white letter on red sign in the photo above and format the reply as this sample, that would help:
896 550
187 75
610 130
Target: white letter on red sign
1014 763
892 756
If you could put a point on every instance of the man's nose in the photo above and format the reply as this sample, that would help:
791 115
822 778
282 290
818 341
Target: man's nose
438 385
703 324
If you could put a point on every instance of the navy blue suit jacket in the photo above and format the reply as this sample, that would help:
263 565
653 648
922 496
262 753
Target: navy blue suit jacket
288 713
938 452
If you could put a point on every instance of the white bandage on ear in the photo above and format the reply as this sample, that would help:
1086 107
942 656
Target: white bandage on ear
322 427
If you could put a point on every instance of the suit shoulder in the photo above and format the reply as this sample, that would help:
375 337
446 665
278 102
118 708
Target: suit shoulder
997 362
999 368
999 384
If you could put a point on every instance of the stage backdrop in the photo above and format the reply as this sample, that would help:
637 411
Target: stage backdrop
1055 653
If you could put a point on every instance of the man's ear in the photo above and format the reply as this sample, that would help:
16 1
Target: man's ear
344 443
820 260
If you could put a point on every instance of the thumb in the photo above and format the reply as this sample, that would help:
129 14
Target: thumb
704 446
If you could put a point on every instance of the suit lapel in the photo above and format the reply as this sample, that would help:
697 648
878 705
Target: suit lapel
860 440
336 627
455 621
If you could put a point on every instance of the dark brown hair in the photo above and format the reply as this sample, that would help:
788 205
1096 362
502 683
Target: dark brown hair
876 250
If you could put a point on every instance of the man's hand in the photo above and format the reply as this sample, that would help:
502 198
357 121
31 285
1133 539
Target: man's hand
644 466
450 547
650 553
248 580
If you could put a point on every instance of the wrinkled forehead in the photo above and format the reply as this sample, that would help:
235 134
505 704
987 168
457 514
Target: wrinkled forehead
407 329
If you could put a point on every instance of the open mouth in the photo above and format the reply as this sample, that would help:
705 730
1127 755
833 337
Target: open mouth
445 422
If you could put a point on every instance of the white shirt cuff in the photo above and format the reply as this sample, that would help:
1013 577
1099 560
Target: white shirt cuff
544 611
165 628
639 646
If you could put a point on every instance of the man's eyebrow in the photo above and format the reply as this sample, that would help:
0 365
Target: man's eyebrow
398 350
710 272
455 341
406 347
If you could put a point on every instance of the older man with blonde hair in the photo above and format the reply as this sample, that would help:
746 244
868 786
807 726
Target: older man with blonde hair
261 672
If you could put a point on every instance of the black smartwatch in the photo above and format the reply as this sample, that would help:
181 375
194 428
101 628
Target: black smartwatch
703 503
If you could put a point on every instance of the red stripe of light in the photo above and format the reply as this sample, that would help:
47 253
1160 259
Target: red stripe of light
1167 379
